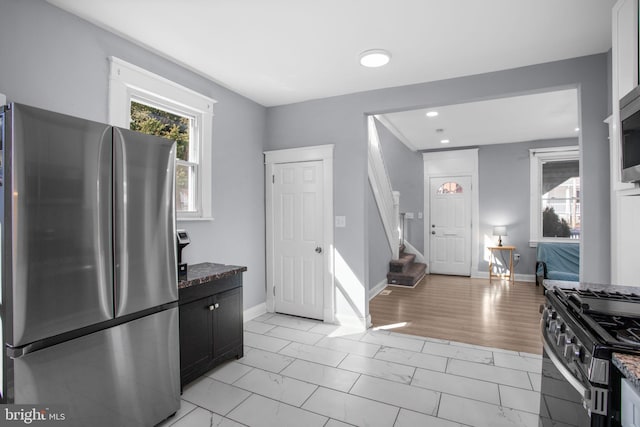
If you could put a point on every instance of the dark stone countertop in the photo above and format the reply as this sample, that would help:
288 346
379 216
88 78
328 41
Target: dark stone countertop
629 365
208 271
550 284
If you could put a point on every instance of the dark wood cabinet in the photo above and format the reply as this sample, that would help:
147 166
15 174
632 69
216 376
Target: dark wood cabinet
210 325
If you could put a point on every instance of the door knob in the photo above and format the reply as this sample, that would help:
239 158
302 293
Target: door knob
319 250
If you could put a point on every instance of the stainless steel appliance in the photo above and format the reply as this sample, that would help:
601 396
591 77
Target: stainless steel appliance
89 286
581 328
630 130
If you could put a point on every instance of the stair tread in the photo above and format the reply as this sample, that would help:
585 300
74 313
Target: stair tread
408 278
416 268
401 264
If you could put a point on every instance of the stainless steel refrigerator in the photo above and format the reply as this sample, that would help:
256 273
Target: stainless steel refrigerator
89 282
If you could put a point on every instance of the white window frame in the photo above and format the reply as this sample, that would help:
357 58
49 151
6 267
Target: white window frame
537 157
128 81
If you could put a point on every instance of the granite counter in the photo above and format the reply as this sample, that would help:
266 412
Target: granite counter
207 271
629 365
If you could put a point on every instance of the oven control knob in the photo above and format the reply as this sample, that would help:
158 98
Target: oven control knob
552 325
562 340
578 353
568 346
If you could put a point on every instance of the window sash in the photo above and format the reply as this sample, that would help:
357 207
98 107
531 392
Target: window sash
537 158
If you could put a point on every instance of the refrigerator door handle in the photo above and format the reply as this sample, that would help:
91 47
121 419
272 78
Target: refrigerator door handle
15 352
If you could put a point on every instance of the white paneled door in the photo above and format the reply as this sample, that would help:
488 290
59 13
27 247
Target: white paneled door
298 236
450 225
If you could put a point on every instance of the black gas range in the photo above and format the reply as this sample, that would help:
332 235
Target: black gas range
581 328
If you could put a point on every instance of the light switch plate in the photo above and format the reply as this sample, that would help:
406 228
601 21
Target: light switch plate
341 221
409 215
419 215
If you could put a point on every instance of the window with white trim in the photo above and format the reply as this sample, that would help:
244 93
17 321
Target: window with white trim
146 102
555 194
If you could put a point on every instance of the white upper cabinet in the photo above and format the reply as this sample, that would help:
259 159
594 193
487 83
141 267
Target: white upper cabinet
625 47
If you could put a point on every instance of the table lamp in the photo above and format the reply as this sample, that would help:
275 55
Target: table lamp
500 230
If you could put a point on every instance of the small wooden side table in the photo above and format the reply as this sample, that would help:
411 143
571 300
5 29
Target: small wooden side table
492 256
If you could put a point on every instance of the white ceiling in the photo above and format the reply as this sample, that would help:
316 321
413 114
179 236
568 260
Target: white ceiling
284 51
539 116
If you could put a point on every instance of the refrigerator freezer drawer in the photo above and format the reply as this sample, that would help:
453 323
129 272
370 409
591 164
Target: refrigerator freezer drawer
127 375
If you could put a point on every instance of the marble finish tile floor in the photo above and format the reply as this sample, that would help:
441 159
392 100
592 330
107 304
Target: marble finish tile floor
299 372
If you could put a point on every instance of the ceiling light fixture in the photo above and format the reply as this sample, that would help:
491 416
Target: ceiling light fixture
432 113
577 129
444 141
374 58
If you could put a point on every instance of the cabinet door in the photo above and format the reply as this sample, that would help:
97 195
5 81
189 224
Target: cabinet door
195 336
227 323
625 46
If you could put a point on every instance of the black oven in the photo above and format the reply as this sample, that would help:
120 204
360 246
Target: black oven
580 331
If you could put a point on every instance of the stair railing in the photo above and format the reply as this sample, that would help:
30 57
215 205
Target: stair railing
388 201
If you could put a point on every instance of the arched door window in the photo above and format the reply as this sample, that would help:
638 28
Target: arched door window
449 188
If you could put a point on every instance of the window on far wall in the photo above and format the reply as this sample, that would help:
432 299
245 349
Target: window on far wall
148 103
555 194
156 121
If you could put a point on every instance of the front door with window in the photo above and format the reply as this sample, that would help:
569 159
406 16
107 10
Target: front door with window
298 238
450 225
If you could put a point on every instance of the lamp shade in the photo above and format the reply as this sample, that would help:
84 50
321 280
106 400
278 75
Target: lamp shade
500 230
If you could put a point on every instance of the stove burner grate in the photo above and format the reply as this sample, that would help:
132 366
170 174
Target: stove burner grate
629 335
607 295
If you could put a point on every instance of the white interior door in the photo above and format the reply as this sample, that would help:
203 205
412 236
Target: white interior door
298 238
450 225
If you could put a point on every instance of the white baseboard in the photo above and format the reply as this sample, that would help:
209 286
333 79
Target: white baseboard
353 323
519 277
377 289
413 250
255 311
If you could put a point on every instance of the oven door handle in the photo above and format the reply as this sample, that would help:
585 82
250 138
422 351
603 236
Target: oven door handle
580 388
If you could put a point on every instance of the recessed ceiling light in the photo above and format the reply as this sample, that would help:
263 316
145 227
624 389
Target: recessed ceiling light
375 58
432 113
444 141
577 129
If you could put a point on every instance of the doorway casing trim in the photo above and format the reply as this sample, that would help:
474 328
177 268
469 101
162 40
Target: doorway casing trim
439 164
322 153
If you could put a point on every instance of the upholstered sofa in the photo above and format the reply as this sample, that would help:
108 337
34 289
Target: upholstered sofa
558 261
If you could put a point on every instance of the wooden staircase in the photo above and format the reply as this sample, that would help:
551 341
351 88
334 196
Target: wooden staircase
404 271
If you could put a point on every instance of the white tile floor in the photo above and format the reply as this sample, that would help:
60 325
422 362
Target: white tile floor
299 372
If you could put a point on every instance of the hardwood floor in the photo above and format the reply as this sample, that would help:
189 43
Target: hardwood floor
498 314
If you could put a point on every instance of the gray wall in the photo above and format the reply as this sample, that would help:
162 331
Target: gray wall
503 175
341 121
54 60
406 172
